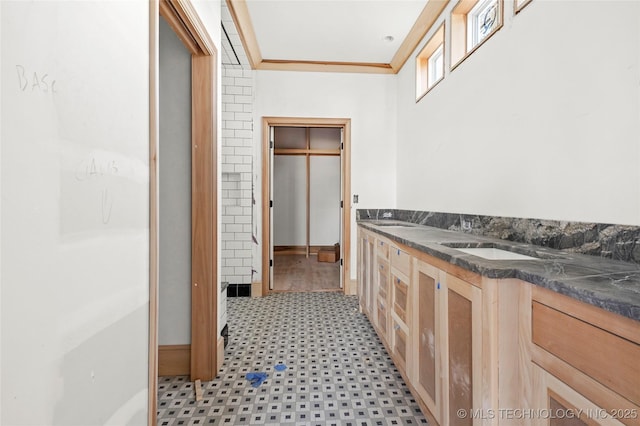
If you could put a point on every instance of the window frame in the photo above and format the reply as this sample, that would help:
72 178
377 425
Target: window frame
435 44
459 46
519 5
432 67
474 37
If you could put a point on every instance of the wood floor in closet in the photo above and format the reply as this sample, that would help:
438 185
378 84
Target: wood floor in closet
292 272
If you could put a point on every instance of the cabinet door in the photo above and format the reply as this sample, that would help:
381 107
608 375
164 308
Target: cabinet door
383 278
382 318
566 407
400 260
464 351
365 271
399 344
400 297
588 365
382 311
383 248
564 413
371 276
426 336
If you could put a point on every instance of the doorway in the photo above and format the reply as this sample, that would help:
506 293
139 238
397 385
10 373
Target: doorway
306 179
205 343
174 198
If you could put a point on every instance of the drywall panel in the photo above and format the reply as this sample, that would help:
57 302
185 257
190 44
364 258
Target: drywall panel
75 212
174 159
324 195
1 236
368 100
542 121
289 200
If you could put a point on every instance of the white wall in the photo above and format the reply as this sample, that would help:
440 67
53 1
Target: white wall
75 272
368 100
289 200
290 189
325 188
543 121
174 159
324 200
1 316
75 212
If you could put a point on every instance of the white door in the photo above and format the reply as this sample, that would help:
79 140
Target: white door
343 200
270 242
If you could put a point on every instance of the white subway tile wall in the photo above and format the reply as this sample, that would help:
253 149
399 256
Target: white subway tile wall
237 172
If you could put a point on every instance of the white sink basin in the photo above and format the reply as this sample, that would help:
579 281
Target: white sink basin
495 253
394 225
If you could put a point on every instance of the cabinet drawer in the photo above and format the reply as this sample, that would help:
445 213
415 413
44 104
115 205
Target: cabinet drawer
382 316
400 296
383 278
400 260
383 249
400 345
613 361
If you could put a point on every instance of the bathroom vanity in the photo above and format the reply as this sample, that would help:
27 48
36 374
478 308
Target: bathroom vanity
492 332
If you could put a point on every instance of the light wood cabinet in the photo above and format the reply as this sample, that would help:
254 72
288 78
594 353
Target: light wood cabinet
380 309
382 284
427 337
399 343
431 323
366 271
401 325
558 404
400 260
400 297
382 246
503 352
462 352
585 361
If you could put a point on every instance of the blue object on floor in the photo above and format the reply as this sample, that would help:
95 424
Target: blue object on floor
256 379
280 367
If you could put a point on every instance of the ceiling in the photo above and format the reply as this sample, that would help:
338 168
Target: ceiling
325 35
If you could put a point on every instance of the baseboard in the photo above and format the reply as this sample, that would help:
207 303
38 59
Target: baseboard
220 353
352 287
277 250
174 360
256 289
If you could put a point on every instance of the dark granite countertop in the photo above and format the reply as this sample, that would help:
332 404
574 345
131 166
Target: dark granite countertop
609 284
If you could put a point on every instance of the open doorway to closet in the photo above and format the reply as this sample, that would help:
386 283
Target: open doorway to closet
203 356
306 178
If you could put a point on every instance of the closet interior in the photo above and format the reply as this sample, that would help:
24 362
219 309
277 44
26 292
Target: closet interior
306 173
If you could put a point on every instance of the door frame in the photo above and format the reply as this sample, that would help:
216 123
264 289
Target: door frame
185 22
345 125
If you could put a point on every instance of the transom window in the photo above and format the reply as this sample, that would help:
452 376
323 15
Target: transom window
436 66
472 23
430 64
481 21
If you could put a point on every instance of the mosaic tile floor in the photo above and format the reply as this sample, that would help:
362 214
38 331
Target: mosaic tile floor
338 372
